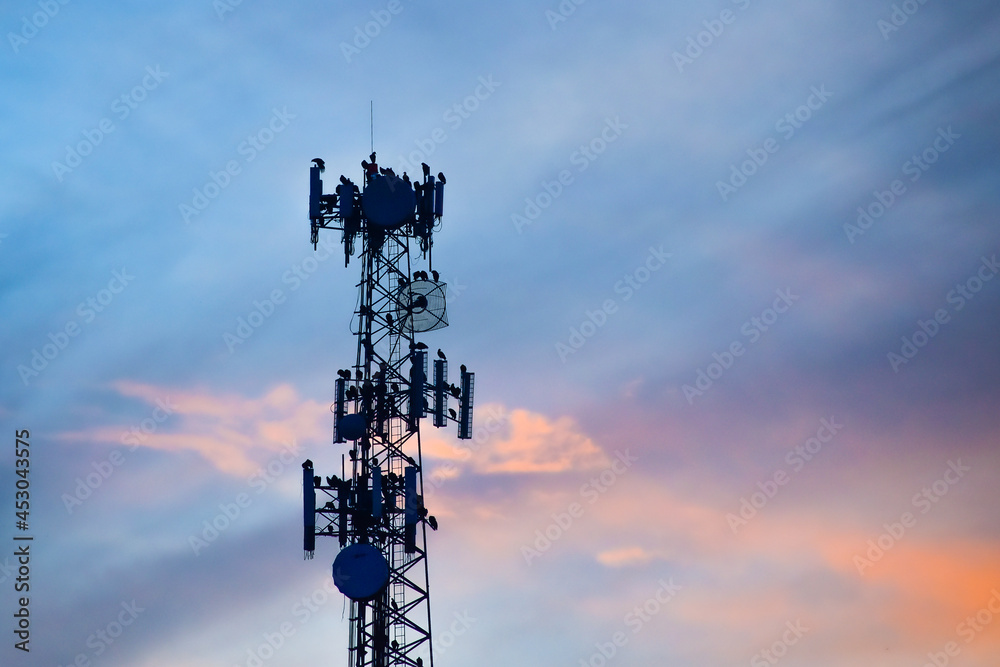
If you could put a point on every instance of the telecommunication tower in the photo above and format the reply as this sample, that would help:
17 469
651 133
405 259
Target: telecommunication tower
375 509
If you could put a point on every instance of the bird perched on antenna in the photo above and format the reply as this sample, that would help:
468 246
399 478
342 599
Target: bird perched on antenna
441 177
436 275
433 522
463 368
441 355
319 163
426 168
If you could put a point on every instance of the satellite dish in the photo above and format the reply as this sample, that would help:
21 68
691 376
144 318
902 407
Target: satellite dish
360 572
352 427
388 202
420 306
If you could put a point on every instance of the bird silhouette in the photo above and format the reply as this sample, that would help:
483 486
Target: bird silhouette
454 415
328 506
441 177
421 346
437 276
319 163
433 522
426 168
344 180
406 178
358 374
395 387
463 368
330 481
388 319
455 391
441 354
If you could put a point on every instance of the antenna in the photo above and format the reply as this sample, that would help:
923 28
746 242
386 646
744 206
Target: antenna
375 510
371 121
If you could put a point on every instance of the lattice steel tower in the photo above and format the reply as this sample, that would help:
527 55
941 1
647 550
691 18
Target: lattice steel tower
376 509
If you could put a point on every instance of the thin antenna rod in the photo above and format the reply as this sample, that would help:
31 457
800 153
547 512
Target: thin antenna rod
371 121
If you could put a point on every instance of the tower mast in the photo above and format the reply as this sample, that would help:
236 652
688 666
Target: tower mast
376 512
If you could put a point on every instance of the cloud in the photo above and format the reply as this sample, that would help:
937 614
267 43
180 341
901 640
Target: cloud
229 431
624 557
519 441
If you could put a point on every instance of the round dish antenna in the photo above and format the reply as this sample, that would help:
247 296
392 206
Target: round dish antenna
420 306
360 572
388 202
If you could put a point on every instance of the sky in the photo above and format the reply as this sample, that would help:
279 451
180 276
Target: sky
725 272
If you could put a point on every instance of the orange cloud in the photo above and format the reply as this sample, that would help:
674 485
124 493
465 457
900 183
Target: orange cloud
232 432
518 441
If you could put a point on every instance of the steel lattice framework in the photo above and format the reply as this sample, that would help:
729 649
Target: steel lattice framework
377 411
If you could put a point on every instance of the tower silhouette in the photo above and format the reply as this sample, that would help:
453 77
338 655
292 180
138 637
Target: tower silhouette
376 508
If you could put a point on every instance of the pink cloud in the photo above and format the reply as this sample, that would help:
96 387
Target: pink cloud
232 432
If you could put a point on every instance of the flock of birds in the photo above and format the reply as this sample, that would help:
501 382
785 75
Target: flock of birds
371 168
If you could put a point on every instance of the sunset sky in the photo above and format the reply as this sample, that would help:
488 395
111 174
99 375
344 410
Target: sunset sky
726 273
